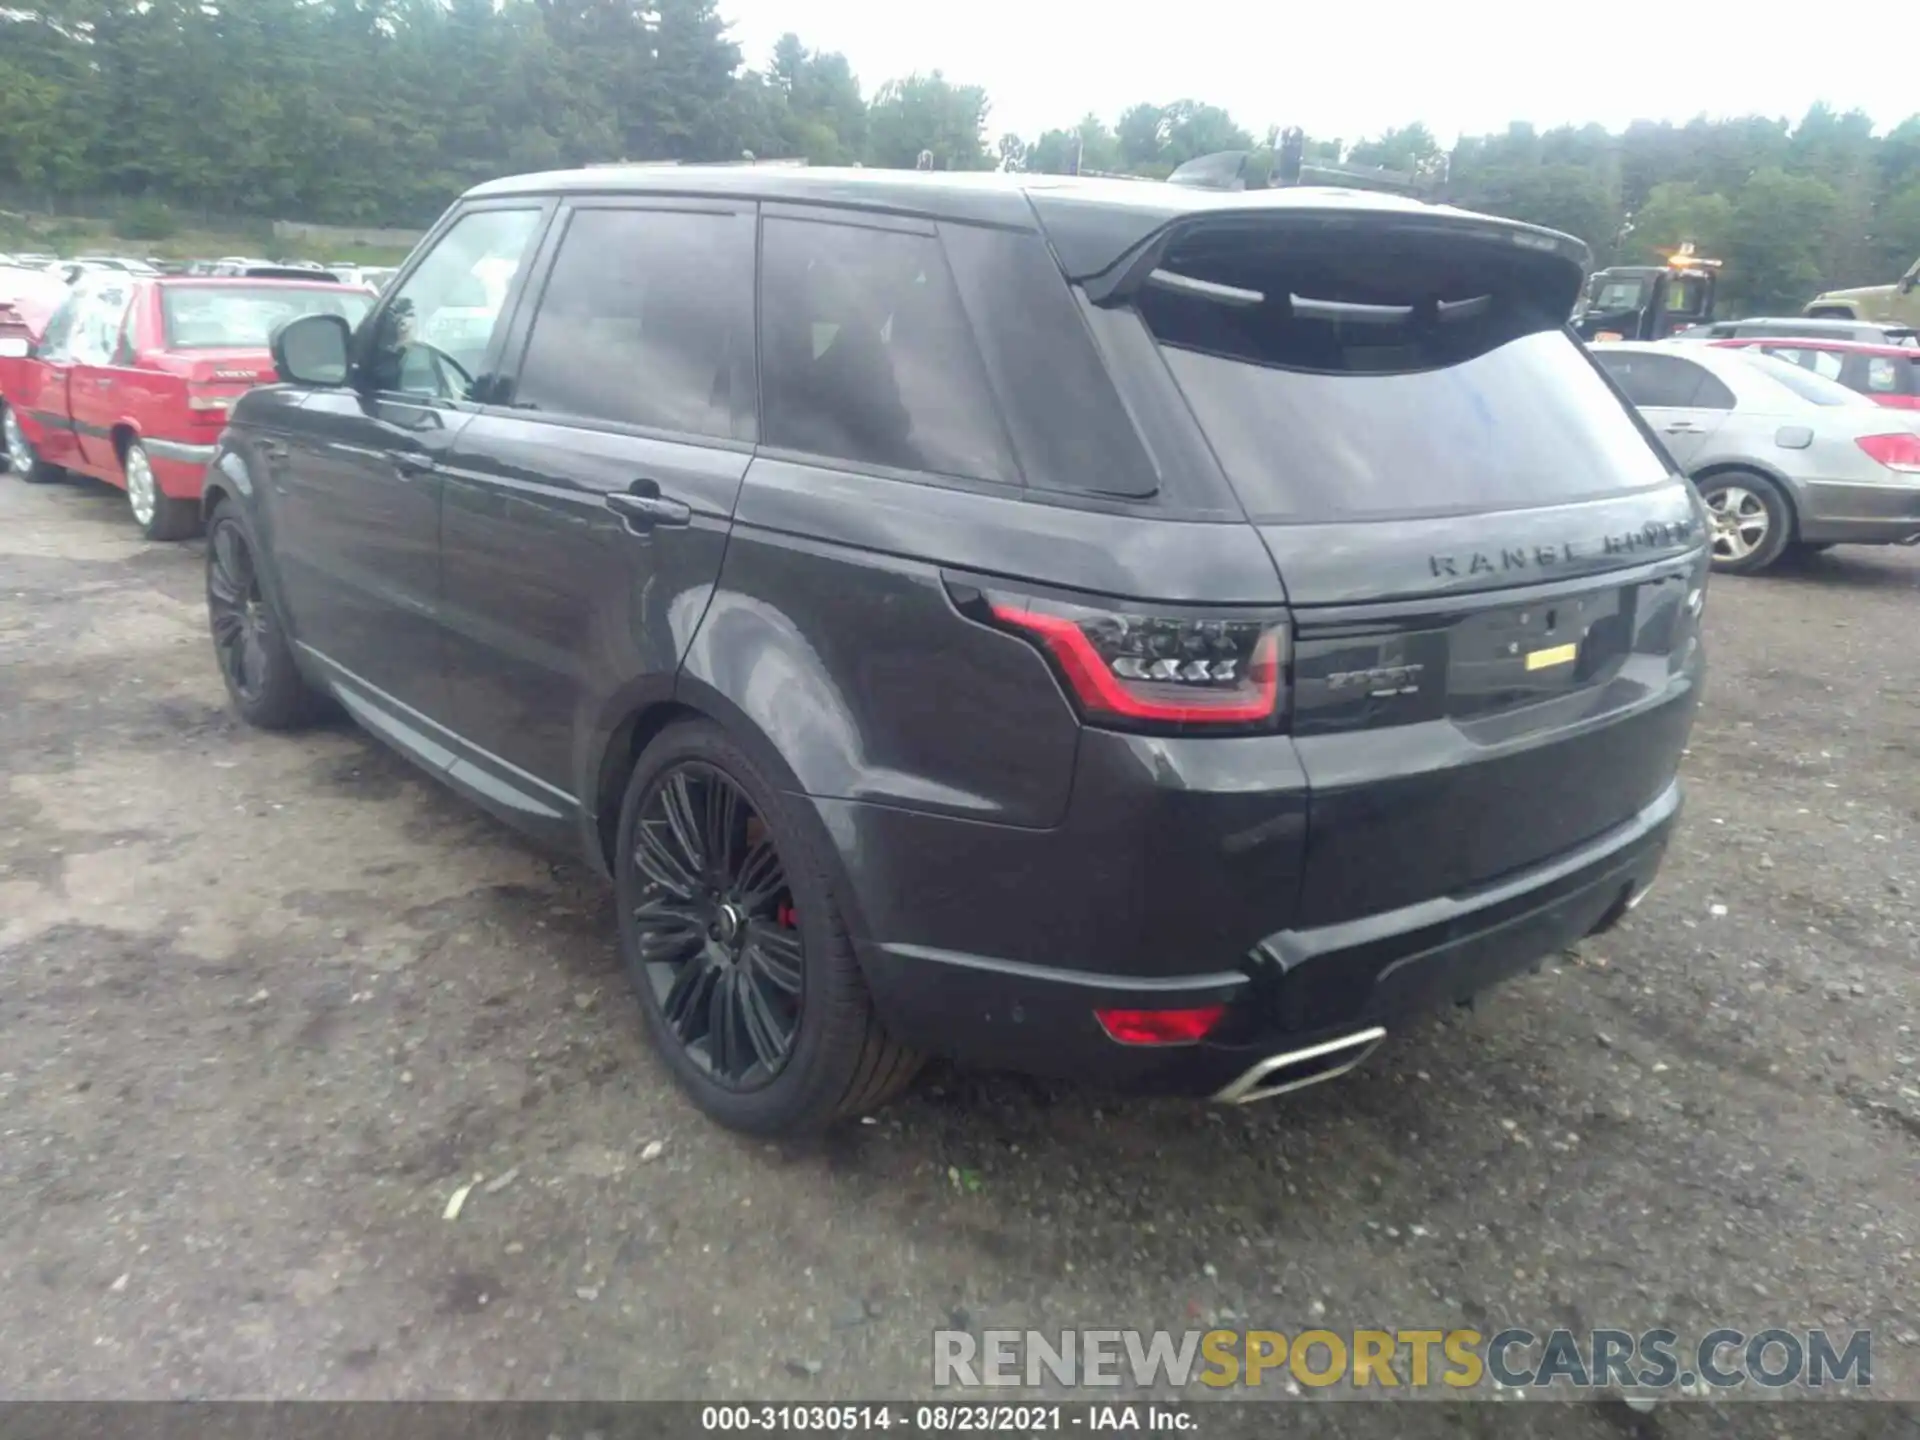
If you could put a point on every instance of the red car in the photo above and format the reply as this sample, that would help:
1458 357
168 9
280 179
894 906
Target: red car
130 380
1886 374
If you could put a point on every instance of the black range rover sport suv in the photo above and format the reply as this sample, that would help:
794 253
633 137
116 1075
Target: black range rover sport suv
1158 636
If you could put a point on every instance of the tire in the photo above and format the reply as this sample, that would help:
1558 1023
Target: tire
250 643
760 923
19 454
159 515
1751 520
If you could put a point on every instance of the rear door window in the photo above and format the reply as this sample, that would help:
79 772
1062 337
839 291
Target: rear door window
1884 375
867 357
1807 385
1656 382
1347 374
100 317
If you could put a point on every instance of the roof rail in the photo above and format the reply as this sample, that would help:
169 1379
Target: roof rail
1227 170
748 158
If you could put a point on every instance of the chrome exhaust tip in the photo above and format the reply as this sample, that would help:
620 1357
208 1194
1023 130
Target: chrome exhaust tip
1297 1069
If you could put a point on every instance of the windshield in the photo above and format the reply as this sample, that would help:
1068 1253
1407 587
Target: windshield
219 317
1815 389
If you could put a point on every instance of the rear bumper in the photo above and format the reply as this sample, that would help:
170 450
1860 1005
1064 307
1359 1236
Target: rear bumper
180 466
1847 514
1293 989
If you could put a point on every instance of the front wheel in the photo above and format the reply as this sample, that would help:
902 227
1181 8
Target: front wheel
255 658
1750 520
21 457
159 515
731 937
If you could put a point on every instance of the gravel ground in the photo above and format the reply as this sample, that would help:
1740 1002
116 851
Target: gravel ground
265 1003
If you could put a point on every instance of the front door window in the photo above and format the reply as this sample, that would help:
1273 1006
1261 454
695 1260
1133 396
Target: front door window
431 341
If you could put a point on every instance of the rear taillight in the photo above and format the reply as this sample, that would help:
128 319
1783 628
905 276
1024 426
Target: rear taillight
1144 668
208 407
1897 452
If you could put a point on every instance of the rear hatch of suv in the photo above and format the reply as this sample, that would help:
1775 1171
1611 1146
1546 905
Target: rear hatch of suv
1494 573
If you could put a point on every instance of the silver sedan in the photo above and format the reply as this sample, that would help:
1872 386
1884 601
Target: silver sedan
1781 456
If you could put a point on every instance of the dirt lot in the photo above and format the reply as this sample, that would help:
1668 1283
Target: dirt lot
266 1002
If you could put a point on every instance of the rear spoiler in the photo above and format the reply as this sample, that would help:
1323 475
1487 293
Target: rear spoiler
1141 264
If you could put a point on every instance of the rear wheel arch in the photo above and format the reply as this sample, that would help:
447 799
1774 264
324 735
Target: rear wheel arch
694 699
618 757
212 493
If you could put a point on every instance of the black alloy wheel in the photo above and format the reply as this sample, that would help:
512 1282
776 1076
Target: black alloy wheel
715 935
237 612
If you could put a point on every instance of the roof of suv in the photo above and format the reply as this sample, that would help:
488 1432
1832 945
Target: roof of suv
1090 221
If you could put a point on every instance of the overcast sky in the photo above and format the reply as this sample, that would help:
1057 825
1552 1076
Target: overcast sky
1352 67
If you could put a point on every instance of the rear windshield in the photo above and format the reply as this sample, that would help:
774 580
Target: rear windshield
1804 383
1340 375
220 317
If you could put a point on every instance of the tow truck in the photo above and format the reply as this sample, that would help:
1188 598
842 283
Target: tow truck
1648 302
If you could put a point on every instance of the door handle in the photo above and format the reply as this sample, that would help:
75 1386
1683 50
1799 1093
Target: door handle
409 467
1680 427
102 381
643 511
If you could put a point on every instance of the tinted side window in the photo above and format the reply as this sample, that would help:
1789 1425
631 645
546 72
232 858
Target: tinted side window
1712 394
1660 380
866 355
647 319
1070 428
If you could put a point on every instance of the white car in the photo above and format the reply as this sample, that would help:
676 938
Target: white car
1785 459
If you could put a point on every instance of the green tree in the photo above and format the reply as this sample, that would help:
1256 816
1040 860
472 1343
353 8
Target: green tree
1563 197
1774 239
1090 142
1674 213
1412 151
1140 135
928 112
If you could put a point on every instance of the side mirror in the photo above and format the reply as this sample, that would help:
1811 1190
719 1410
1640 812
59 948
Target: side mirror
1908 281
312 350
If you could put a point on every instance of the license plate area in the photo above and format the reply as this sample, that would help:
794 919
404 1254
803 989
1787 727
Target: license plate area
1501 657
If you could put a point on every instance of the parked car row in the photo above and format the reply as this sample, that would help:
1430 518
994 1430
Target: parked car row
128 376
70 270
